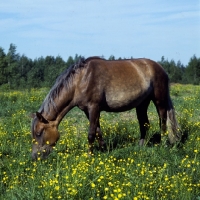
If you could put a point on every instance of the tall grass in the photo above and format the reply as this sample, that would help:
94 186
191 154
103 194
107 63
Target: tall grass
124 171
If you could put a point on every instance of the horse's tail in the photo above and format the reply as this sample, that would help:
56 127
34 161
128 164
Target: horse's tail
174 131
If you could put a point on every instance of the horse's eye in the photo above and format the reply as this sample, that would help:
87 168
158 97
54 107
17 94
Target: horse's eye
39 133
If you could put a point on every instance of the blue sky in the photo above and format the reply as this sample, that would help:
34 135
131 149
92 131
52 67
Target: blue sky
137 28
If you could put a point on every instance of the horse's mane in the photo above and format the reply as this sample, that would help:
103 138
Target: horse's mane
64 80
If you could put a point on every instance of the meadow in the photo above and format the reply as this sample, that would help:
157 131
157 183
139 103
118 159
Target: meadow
126 171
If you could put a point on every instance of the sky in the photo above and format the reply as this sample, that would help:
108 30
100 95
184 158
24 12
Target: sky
123 28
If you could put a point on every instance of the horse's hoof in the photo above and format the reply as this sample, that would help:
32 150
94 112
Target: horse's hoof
141 143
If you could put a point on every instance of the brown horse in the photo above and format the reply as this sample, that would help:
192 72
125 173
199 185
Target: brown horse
96 85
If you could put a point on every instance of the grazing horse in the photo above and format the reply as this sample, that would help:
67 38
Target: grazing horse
94 85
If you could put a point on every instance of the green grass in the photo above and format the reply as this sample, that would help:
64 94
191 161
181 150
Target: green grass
124 171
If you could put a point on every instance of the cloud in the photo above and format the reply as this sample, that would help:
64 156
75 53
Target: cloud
101 27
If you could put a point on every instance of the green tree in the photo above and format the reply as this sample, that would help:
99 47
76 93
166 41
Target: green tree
53 67
111 57
61 64
165 64
181 71
70 61
76 58
3 66
25 65
12 59
175 72
36 74
192 74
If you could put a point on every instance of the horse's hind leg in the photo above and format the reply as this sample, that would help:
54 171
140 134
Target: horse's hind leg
161 107
141 111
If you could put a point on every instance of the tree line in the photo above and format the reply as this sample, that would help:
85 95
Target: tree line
18 71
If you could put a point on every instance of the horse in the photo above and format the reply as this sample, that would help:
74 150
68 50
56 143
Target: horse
96 84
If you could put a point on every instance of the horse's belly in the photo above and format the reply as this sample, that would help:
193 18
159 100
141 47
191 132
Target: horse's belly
125 99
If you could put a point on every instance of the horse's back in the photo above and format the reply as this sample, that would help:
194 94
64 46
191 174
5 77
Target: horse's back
127 74
122 84
127 67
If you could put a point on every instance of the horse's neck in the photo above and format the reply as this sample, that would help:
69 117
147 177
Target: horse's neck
64 103
48 110
64 111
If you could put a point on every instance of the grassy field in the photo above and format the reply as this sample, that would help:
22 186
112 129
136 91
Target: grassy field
124 171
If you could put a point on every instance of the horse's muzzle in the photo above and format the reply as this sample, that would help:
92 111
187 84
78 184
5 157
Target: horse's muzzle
42 152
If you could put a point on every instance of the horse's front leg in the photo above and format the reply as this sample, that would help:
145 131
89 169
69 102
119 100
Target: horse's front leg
98 132
102 144
93 115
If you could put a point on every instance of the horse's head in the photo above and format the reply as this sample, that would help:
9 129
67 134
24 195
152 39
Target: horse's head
44 135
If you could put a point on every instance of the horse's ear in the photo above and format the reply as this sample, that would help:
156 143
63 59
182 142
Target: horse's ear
41 118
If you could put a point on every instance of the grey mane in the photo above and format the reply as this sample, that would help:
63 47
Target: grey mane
63 80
